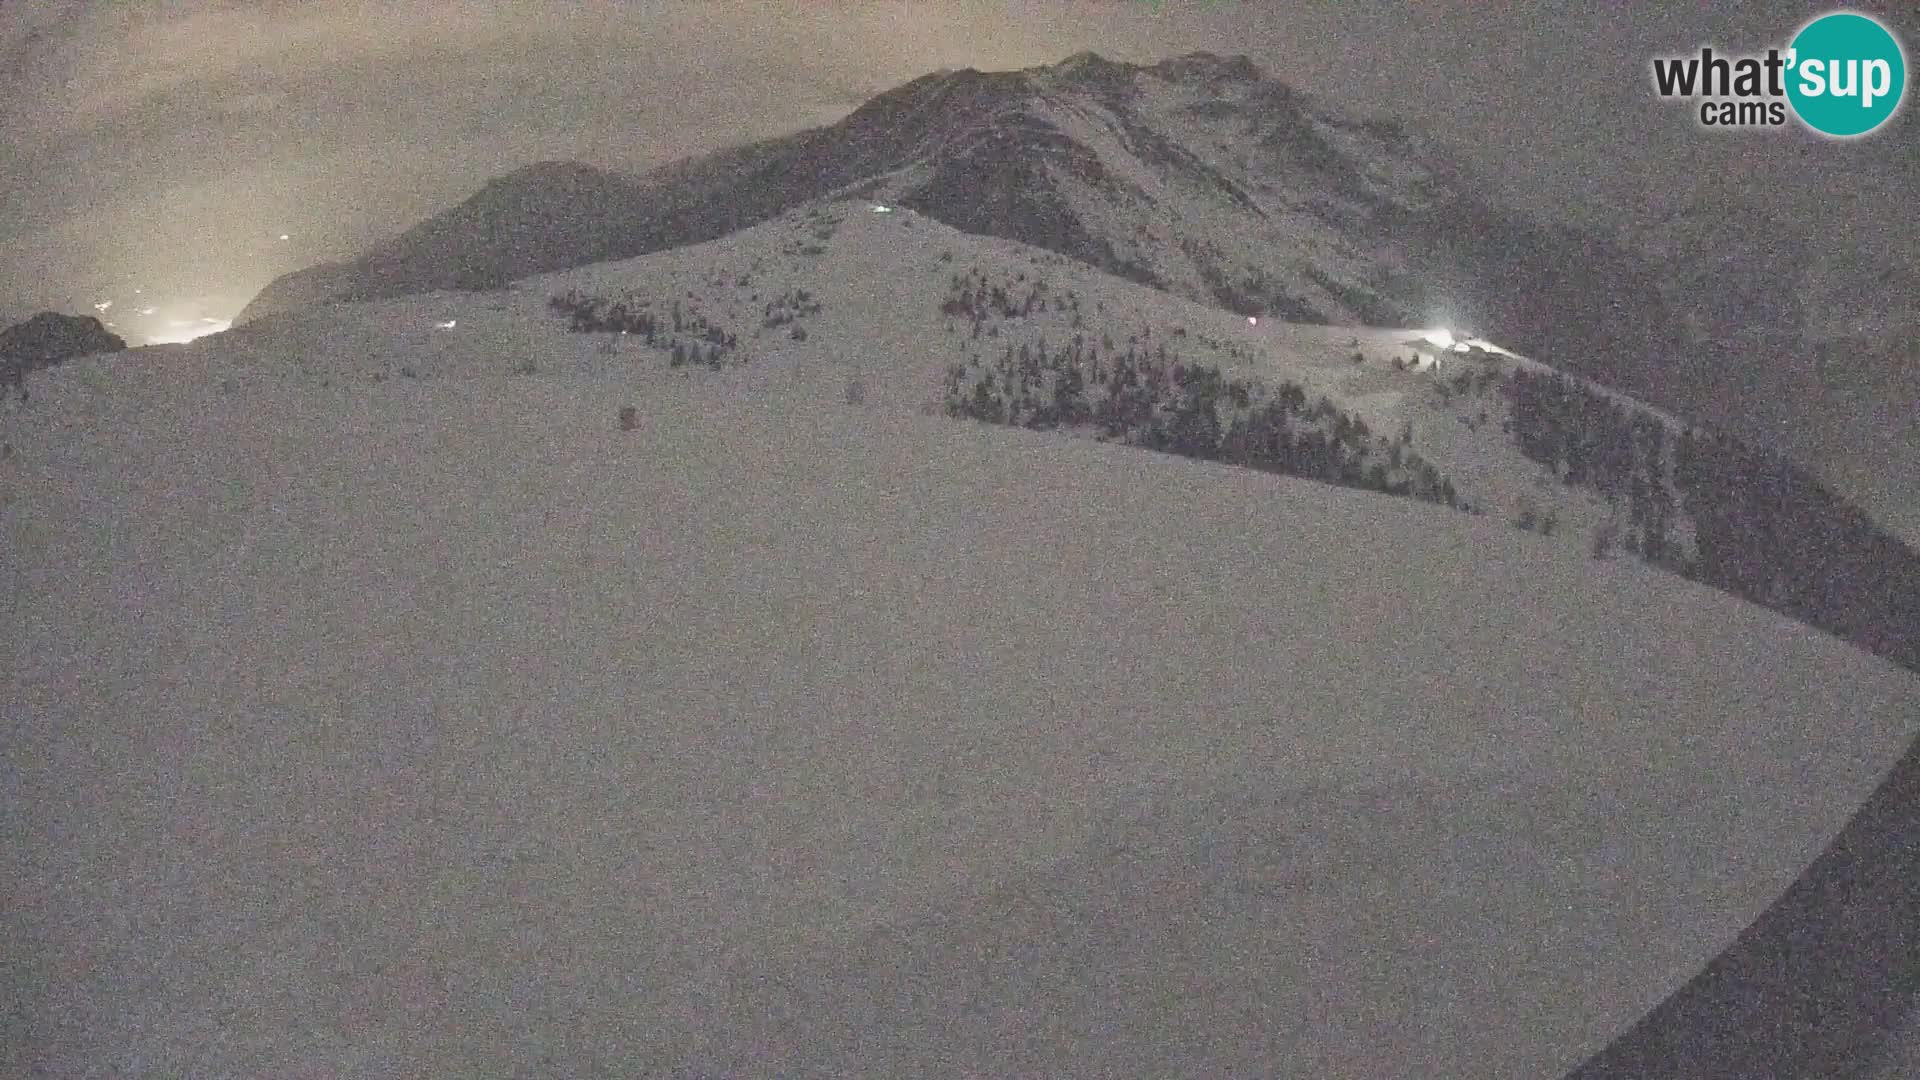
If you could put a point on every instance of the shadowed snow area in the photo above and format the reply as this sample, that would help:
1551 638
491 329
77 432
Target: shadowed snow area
441 727
1899 1059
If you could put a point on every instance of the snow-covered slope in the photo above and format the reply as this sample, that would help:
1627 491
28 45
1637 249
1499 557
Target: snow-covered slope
837 292
439 726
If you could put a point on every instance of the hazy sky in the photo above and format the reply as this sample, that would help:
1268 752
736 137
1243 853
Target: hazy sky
168 146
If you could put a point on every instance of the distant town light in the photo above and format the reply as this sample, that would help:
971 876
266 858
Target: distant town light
878 209
448 325
182 331
1253 320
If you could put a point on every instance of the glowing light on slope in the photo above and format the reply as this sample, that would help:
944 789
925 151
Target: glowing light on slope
1442 337
284 236
451 323
103 305
878 209
148 310
1253 320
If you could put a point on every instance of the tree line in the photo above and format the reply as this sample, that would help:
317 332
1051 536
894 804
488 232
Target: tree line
1764 529
1155 401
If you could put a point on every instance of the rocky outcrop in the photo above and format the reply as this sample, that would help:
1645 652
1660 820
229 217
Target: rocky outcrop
51 338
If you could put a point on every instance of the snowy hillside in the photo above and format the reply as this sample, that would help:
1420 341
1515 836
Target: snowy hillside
1208 178
842 293
869 298
380 705
440 725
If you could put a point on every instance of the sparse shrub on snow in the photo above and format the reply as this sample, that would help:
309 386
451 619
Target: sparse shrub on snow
1605 535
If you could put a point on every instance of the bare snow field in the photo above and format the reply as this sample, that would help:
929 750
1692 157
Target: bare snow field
438 727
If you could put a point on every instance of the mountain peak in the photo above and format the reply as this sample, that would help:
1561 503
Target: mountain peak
1208 65
1090 69
1086 58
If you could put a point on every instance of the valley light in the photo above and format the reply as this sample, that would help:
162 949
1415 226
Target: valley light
1442 337
878 209
1253 320
103 305
148 310
448 325
183 331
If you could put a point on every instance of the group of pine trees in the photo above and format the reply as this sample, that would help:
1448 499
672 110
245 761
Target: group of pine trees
1591 441
704 344
789 306
975 297
1764 529
1155 401
1772 533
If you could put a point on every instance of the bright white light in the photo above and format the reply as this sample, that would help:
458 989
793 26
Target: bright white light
148 310
1442 337
448 325
183 331
878 209
284 236
103 305
1253 320
1482 344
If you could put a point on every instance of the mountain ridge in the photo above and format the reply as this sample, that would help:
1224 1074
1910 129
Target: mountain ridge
1014 154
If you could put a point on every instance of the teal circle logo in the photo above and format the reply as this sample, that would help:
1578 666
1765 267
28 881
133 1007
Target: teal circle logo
1847 74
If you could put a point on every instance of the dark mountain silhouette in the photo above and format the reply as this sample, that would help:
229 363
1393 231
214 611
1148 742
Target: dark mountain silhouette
51 338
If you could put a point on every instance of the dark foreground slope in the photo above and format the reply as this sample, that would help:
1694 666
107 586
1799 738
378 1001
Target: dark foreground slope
1818 982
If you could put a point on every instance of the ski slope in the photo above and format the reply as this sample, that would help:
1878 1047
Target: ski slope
438 727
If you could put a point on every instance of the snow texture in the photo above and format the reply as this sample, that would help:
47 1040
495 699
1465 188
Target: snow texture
438 727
